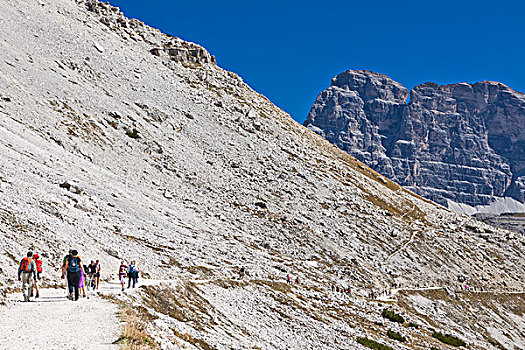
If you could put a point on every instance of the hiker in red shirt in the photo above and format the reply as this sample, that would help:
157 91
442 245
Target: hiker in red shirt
38 263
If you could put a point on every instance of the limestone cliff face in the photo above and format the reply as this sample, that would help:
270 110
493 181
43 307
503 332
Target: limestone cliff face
464 142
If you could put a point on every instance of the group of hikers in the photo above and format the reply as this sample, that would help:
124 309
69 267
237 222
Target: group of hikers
374 295
130 271
30 271
472 288
344 290
289 279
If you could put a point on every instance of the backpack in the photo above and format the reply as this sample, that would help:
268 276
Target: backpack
38 265
25 265
74 264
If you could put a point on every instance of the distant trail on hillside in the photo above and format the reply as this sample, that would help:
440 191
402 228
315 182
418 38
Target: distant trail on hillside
410 240
52 322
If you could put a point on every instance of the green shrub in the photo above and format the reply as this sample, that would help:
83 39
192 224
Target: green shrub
434 348
134 134
413 325
372 344
395 335
448 339
392 316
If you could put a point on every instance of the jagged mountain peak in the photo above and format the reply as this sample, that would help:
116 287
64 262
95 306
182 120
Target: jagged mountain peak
371 84
461 142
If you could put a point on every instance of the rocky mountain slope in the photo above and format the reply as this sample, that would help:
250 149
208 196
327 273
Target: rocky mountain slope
126 143
460 142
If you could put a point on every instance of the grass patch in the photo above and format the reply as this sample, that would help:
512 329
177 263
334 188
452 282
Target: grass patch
277 286
184 303
372 344
392 316
448 339
199 343
199 270
226 284
396 336
134 335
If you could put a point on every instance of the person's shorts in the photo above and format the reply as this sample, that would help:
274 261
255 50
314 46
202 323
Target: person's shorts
38 273
97 274
122 278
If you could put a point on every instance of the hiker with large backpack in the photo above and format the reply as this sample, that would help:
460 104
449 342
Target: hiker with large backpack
133 273
38 263
27 274
73 268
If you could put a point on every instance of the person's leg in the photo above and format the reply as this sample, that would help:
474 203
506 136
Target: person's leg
76 281
71 284
24 286
129 280
30 283
36 284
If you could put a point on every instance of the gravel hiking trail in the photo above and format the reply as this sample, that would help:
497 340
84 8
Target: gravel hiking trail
54 322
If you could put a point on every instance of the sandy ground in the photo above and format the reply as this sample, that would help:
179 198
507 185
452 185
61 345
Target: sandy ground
54 322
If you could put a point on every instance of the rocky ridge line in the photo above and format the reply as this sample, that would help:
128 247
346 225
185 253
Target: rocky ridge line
176 49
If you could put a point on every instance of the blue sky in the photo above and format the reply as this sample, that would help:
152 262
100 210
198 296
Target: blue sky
290 50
